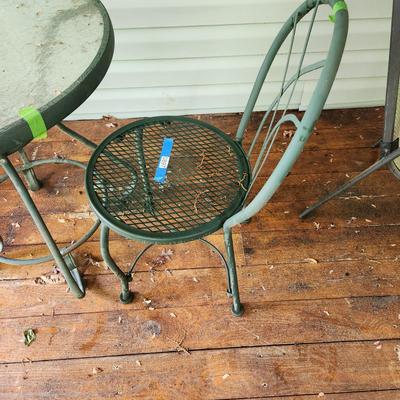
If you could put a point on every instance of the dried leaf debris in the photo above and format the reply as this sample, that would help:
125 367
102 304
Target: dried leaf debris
311 260
112 122
53 277
29 336
397 351
163 258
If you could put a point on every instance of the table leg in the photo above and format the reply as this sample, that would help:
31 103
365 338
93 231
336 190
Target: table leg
77 136
29 174
72 280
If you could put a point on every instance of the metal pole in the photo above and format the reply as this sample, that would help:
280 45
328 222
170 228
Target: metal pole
380 163
389 152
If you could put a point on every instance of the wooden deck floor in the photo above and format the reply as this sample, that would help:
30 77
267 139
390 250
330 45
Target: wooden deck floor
322 295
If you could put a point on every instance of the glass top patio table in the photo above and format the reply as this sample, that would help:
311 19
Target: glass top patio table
54 53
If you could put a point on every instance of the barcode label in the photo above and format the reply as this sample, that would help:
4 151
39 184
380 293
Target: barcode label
164 160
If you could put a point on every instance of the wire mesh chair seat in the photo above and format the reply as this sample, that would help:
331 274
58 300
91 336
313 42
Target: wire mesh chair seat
208 177
210 184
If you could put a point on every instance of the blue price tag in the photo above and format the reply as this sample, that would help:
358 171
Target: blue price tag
161 171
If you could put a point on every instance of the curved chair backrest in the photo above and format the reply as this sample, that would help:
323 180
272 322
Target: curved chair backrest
305 126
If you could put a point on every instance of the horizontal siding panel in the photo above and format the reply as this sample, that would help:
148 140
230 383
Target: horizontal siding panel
170 13
186 56
136 102
350 93
229 70
236 40
362 92
95 115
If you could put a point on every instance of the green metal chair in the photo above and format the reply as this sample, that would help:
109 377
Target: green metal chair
209 173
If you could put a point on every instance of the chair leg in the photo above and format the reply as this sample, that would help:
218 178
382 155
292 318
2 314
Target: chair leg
126 295
216 250
33 183
237 306
75 285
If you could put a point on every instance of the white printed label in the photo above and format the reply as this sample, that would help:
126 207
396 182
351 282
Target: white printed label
164 162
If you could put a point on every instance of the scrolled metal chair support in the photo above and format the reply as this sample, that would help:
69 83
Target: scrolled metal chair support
126 295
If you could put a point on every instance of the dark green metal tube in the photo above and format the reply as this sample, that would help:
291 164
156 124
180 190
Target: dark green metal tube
76 135
126 295
237 306
148 193
38 220
29 173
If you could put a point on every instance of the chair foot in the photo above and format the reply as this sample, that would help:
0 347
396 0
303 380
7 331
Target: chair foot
237 310
33 183
126 297
71 264
237 306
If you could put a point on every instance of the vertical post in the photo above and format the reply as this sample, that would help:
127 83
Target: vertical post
392 87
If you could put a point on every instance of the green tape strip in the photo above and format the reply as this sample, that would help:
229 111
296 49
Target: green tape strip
340 5
35 121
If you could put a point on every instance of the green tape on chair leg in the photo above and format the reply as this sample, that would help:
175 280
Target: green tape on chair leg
35 121
340 5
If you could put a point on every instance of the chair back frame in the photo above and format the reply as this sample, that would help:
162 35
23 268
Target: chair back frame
305 126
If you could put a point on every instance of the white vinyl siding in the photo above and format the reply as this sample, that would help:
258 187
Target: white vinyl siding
186 56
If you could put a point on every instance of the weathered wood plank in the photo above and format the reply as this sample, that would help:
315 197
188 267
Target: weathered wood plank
22 230
283 246
72 209
367 122
351 213
280 246
323 245
186 255
381 395
345 136
205 286
61 195
49 201
311 186
344 212
231 373
335 160
195 328
346 127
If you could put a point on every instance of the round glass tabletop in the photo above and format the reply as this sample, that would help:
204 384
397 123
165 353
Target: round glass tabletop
54 53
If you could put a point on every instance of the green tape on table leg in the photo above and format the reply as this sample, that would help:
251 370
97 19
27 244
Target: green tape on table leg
35 121
340 5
